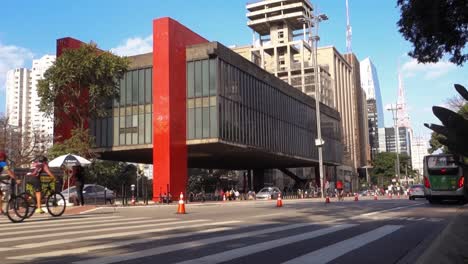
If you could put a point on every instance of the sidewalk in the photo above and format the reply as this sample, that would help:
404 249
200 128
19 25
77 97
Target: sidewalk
451 246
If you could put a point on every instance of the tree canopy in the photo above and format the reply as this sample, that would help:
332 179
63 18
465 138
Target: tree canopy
435 28
77 73
384 167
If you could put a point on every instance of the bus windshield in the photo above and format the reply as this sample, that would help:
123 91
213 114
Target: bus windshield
434 162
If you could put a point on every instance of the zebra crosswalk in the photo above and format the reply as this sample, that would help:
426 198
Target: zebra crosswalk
102 238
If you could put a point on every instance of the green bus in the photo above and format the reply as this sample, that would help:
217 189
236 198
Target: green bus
443 178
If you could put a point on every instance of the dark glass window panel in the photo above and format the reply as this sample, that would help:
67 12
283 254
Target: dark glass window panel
148 128
141 86
134 129
205 78
148 85
116 130
128 88
190 80
213 122
191 123
198 123
213 76
141 129
122 90
122 131
134 90
206 122
198 79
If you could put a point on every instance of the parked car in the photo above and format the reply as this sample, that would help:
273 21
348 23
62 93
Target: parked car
268 193
416 191
92 193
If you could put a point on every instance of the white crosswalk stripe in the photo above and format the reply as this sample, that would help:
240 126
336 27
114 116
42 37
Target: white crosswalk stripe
191 244
244 251
101 239
332 252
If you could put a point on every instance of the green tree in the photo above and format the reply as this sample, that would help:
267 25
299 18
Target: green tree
435 28
77 74
80 143
384 167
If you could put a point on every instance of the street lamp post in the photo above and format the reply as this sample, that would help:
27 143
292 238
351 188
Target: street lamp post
394 109
319 141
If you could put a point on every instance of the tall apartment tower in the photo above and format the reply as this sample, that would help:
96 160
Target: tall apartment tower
282 44
17 93
39 123
341 72
360 109
371 86
22 103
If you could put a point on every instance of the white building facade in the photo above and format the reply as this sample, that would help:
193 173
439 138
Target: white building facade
17 90
419 146
22 103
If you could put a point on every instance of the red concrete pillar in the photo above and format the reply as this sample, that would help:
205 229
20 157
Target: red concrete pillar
170 39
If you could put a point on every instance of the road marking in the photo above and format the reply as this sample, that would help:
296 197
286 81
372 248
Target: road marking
112 235
334 251
267 215
81 250
95 223
248 250
56 221
387 210
186 245
87 231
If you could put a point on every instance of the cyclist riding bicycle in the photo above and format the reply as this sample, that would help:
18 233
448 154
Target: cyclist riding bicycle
339 187
4 167
39 166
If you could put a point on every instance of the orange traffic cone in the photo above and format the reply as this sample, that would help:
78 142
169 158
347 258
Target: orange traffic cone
356 197
279 202
375 197
181 207
327 200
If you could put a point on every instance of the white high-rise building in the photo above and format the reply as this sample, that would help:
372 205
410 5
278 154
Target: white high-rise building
419 146
17 90
370 84
22 103
39 123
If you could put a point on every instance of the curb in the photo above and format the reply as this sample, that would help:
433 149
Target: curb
452 243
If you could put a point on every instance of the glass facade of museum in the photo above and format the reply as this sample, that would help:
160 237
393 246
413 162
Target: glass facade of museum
235 106
131 120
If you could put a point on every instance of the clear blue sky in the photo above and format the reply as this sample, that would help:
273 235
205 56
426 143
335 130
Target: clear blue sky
29 29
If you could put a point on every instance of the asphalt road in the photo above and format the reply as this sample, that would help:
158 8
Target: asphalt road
302 231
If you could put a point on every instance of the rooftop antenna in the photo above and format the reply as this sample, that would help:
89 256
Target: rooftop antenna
349 31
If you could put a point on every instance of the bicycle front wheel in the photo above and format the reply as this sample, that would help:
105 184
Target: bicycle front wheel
31 201
17 209
56 204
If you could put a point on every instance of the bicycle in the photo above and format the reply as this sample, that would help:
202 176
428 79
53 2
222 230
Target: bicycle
17 208
55 202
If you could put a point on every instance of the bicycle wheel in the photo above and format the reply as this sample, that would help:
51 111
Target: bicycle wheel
56 204
31 201
17 209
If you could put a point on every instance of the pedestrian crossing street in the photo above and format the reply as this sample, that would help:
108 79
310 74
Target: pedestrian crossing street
113 238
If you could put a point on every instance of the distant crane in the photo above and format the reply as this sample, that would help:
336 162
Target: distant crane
349 31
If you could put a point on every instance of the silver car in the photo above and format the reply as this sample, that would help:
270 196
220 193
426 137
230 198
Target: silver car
416 191
268 193
92 194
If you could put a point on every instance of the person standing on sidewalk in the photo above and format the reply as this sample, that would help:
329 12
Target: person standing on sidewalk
78 172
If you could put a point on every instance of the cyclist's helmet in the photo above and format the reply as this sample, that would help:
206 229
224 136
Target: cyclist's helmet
3 156
42 159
